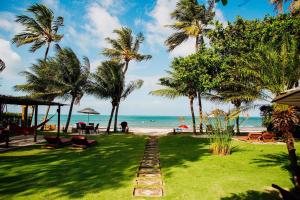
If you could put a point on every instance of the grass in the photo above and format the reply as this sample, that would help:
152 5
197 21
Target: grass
108 170
191 172
105 171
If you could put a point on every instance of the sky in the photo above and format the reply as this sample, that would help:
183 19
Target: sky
86 25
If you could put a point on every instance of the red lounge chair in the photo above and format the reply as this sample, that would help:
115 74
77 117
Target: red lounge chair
268 137
80 141
56 142
254 136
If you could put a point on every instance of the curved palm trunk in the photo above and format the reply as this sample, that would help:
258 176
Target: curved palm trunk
116 118
45 117
293 159
69 115
47 50
110 118
126 67
193 114
237 105
200 112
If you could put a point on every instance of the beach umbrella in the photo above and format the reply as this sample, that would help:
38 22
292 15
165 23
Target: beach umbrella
183 126
89 111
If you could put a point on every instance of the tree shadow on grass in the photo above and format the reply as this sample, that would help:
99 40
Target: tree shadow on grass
72 174
190 149
253 195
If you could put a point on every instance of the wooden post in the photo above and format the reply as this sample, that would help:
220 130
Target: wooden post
35 123
26 116
58 121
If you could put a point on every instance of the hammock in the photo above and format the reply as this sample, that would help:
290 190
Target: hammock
28 130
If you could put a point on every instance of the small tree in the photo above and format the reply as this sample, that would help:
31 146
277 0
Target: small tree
284 119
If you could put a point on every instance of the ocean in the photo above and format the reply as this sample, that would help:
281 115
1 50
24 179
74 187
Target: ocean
146 121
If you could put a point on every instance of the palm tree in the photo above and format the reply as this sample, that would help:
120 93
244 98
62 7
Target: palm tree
41 29
125 48
70 77
173 89
224 2
284 120
192 20
277 69
109 83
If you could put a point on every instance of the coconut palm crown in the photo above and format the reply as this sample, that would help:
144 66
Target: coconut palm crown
40 29
125 47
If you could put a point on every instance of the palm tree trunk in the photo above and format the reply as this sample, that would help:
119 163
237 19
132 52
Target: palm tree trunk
293 159
126 67
31 114
200 112
110 118
69 115
45 117
116 118
47 50
237 121
197 44
193 114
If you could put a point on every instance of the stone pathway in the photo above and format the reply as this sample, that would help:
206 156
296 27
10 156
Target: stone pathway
149 181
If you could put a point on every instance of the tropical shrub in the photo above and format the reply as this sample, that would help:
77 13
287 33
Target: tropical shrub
221 135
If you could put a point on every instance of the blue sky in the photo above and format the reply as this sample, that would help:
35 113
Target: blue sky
88 22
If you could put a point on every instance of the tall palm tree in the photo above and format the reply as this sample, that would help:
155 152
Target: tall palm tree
125 47
40 30
192 20
109 83
70 77
173 89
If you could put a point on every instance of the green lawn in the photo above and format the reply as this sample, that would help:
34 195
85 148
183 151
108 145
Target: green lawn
191 172
108 170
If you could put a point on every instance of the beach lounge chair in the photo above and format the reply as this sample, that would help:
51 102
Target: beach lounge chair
56 142
268 137
254 136
80 141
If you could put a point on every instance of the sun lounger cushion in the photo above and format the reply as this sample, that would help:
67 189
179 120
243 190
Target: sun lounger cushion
53 141
82 142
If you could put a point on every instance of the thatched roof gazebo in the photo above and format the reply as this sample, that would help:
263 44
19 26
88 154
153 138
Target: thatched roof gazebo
27 101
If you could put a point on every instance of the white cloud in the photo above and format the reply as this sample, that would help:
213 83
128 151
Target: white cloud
156 30
99 24
53 4
7 23
11 59
220 17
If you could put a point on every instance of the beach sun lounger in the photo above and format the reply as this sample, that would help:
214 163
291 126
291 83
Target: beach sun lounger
80 141
56 142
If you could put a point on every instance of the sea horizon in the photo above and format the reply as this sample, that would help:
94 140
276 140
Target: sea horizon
144 121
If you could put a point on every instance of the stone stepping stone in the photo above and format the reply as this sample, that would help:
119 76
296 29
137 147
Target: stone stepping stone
149 179
149 170
148 192
149 175
149 182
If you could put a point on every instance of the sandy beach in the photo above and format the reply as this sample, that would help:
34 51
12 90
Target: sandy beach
165 131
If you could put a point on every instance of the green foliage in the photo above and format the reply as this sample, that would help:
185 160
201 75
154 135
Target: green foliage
40 29
192 20
221 134
266 112
125 48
